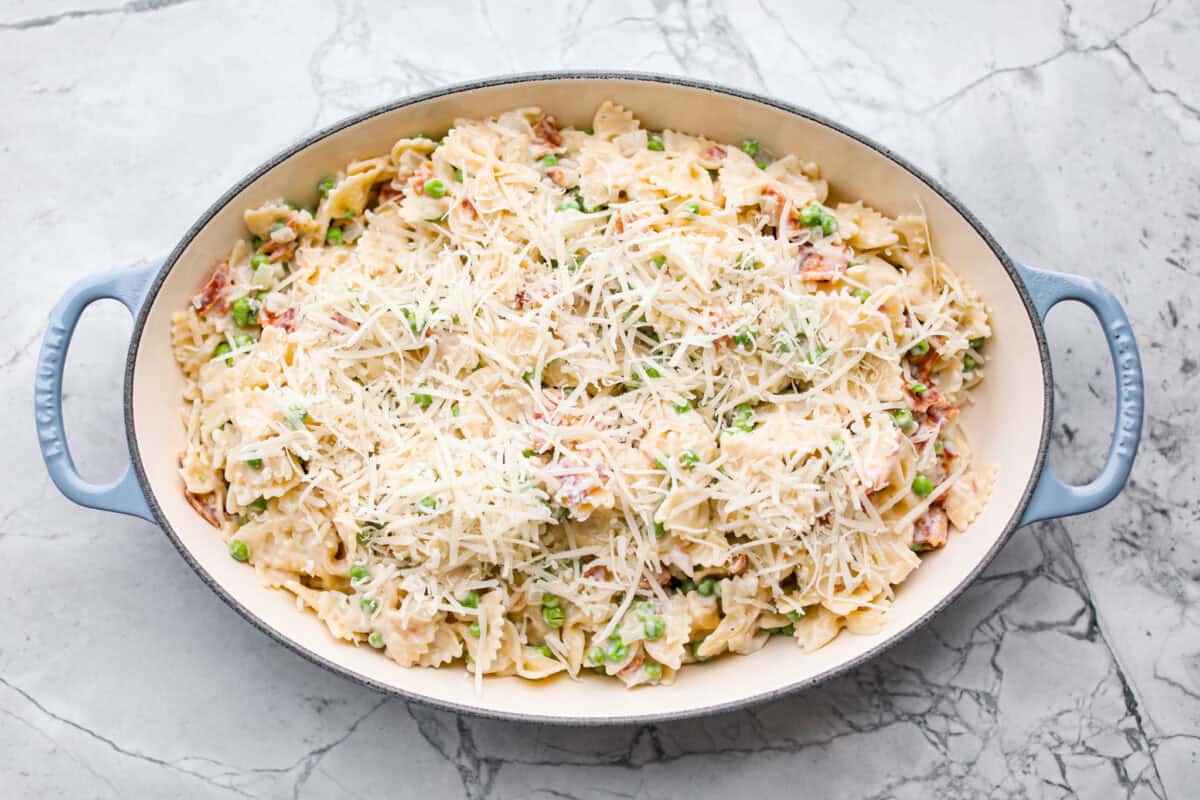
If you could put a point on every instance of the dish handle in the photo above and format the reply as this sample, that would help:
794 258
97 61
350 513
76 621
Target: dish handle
123 495
1051 497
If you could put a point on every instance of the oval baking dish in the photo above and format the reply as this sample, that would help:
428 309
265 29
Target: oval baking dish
1019 388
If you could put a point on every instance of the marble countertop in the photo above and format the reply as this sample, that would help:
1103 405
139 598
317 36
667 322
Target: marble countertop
1072 667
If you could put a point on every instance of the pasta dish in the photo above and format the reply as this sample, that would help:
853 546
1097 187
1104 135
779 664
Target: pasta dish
533 399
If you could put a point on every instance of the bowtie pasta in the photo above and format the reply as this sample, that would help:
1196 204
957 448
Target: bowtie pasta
537 400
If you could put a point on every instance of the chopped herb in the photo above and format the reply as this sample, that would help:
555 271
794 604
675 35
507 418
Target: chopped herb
743 417
655 142
750 147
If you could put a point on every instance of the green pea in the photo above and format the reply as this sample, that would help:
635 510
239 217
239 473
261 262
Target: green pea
545 650
922 486
862 294
616 650
919 388
659 261
325 186
653 670
242 340
682 407
653 628
595 655
904 418
259 504
238 550
920 349
689 459
589 130
254 463
435 188
696 645
473 629
551 601
458 175
549 160
333 235
368 604
471 600
554 617
687 585
795 615
817 216
968 363
422 399
570 204
258 259
750 147
707 587
223 348
359 571
692 207
938 447
660 530
255 243
786 630
245 311
376 640
762 163
977 343
655 142
643 608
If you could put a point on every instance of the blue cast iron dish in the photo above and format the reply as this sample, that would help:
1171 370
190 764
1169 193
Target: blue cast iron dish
1009 422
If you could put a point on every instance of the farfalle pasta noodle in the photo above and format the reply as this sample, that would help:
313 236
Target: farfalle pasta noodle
537 400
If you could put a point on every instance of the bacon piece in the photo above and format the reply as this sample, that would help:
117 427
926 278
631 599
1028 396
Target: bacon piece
423 173
212 294
285 320
390 191
737 564
662 578
559 176
341 319
546 129
619 224
930 531
712 156
521 299
822 266
470 208
635 664
596 572
203 509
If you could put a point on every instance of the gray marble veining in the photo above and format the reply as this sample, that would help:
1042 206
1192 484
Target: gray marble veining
1071 668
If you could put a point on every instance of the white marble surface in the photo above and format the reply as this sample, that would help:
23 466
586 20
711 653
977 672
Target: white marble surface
1073 667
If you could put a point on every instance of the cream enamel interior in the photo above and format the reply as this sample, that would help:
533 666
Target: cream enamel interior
1013 390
